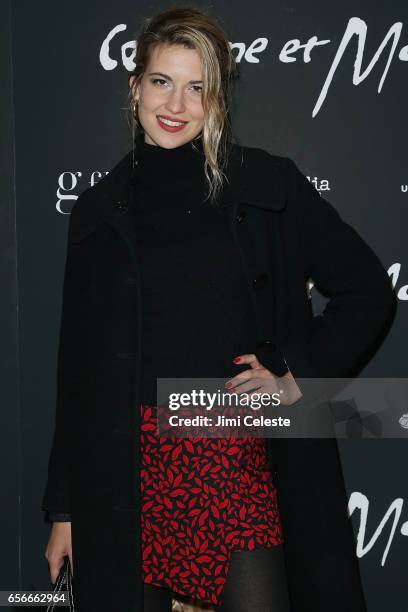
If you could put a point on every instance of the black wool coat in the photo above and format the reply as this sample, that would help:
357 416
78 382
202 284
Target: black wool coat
286 233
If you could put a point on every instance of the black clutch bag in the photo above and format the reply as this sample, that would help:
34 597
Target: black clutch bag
63 588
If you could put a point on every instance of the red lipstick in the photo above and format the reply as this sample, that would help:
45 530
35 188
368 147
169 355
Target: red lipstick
170 128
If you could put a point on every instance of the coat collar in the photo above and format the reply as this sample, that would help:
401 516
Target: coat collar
255 177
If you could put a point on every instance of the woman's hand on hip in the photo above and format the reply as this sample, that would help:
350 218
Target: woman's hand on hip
259 379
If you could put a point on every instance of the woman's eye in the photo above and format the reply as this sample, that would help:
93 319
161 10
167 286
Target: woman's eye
156 81
161 82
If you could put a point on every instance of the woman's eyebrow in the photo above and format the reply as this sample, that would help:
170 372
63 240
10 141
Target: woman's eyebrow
166 76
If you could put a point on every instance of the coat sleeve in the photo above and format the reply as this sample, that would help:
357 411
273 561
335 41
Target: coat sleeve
60 517
57 494
345 269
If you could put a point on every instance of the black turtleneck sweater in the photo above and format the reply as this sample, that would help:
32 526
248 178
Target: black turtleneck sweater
196 309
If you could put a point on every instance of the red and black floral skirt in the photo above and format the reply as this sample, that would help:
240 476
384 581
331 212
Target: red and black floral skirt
202 498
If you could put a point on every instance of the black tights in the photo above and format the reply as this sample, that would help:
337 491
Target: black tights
256 582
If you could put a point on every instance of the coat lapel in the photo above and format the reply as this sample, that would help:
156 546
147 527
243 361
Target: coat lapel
254 178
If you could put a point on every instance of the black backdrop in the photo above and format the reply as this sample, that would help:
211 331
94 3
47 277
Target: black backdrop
339 112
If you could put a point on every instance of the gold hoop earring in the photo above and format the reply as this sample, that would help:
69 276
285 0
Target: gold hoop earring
134 107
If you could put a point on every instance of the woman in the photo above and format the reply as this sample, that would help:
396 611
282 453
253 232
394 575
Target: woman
190 259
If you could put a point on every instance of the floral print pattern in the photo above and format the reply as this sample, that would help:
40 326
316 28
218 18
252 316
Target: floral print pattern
202 498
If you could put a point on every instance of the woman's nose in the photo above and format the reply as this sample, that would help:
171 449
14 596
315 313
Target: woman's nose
175 102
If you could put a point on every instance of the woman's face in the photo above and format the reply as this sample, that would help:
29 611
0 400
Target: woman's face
170 89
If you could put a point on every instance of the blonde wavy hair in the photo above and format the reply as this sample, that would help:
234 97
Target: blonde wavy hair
195 29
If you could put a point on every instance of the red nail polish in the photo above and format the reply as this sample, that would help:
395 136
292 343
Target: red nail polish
228 385
237 359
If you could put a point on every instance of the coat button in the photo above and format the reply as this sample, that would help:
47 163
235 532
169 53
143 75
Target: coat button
259 281
120 206
240 216
267 345
271 357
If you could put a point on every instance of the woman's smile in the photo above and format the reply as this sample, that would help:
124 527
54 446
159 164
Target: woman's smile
169 125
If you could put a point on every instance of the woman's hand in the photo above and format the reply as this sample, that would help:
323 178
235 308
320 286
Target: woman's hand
59 545
262 380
